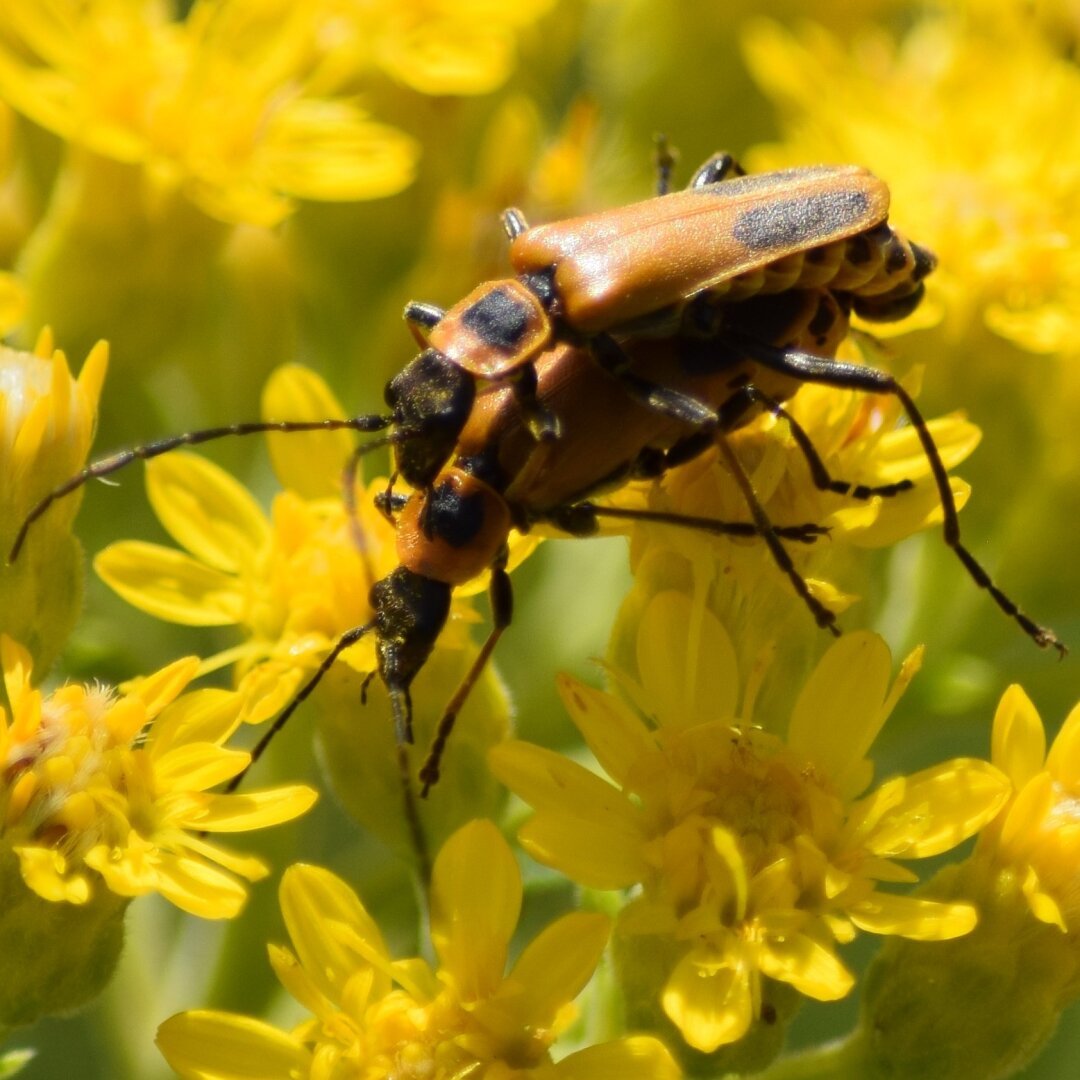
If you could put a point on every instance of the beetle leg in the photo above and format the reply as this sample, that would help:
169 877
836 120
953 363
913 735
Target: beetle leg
543 424
719 167
501 597
580 519
514 223
665 160
611 357
421 319
807 367
352 516
823 481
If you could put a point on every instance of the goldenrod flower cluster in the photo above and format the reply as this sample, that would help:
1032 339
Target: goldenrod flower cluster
675 860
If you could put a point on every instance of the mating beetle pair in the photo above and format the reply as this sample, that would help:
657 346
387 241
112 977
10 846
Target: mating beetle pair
630 341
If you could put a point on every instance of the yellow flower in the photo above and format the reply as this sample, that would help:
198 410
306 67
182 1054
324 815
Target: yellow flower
293 584
108 789
974 131
440 47
860 439
752 855
1037 835
1001 990
377 1017
231 104
47 422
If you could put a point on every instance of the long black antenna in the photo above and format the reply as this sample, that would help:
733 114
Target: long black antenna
114 462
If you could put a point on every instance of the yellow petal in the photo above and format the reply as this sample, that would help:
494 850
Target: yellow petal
635 1058
222 1046
46 872
807 965
207 511
611 730
686 662
838 713
208 715
552 783
1043 906
1063 761
471 928
163 687
327 150
598 855
442 57
711 1009
18 666
198 766
299 984
249 867
309 463
1019 740
1027 815
913 917
199 889
257 809
940 807
555 966
315 904
170 585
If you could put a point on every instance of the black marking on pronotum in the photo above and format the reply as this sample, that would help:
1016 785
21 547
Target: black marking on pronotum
498 318
799 220
448 515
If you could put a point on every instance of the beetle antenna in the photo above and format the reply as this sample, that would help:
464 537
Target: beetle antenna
114 462
349 638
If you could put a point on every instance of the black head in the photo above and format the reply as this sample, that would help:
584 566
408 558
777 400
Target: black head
431 399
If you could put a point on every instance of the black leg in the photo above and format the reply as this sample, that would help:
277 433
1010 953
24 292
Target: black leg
719 167
665 160
421 319
502 612
609 354
514 223
807 367
579 519
543 424
823 481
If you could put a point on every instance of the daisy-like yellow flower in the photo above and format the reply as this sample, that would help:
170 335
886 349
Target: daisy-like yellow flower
377 1017
438 47
1036 838
1000 991
752 855
860 439
230 104
47 420
293 583
958 118
107 790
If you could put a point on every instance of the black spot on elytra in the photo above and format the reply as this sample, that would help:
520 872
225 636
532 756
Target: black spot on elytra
803 221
